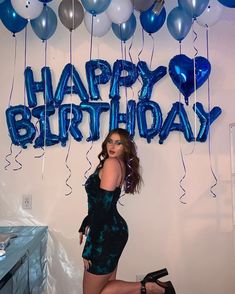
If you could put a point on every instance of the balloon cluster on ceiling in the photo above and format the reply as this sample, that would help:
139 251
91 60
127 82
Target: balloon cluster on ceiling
100 16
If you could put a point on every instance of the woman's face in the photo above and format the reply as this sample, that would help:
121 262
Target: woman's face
115 146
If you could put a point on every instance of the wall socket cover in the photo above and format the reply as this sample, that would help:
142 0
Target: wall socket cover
27 201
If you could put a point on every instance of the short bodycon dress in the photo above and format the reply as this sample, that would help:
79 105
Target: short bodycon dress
108 231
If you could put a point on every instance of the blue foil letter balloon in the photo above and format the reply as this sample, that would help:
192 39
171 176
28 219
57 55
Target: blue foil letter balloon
67 124
150 78
95 80
16 126
127 118
94 109
69 72
32 87
46 138
117 80
181 71
142 108
183 126
206 120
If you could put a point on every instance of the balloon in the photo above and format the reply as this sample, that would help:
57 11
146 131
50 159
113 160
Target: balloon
117 80
181 70
152 21
27 9
141 5
45 25
128 118
46 138
67 124
119 11
21 131
125 30
211 14
178 23
193 7
142 108
45 1
183 125
150 78
11 20
1 1
94 109
71 13
228 3
206 119
70 72
94 80
95 6
32 87
101 24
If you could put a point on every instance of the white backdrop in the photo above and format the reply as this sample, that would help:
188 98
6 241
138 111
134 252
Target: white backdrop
194 241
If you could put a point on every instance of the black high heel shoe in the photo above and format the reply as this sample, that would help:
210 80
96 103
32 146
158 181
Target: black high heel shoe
153 278
169 289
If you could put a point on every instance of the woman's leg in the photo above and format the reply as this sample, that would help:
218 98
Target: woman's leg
103 284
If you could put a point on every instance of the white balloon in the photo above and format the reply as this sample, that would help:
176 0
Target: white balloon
211 14
101 23
28 9
120 11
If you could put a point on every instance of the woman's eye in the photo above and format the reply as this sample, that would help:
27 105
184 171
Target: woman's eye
119 143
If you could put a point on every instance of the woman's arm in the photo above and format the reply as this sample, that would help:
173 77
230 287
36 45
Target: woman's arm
110 177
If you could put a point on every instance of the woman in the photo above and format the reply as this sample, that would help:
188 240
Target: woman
106 230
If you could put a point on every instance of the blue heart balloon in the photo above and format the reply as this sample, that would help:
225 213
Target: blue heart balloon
181 71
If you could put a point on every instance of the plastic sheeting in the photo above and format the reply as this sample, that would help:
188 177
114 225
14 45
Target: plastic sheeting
24 267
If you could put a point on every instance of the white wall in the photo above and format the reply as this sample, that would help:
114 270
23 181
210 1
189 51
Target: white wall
194 241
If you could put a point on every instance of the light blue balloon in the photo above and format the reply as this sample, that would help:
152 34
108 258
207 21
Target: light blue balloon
228 3
178 23
193 7
126 29
45 25
95 6
11 20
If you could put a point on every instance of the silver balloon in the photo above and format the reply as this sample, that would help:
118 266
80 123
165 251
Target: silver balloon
142 5
71 13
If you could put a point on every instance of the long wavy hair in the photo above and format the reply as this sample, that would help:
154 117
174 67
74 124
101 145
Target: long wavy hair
133 179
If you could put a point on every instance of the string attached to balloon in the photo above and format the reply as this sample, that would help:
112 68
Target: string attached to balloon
209 108
182 196
92 142
70 119
152 53
10 98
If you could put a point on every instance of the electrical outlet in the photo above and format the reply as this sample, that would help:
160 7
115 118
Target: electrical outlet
27 201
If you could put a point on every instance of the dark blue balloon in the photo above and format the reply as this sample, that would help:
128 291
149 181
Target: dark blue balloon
45 1
69 124
11 20
206 120
118 80
149 132
95 80
21 131
150 78
45 24
181 70
228 3
151 21
170 125
125 30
